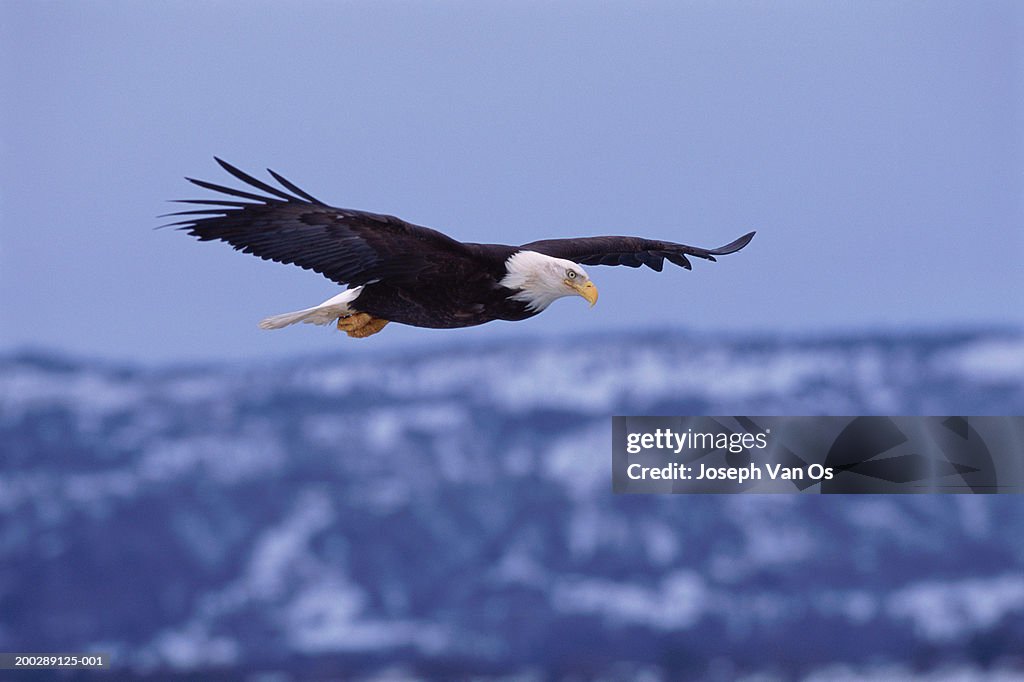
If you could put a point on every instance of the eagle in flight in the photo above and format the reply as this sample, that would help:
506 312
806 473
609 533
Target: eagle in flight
399 272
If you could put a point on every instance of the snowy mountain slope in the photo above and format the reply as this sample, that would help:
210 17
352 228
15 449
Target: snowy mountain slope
452 510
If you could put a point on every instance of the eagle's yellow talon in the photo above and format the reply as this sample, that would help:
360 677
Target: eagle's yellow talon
352 322
360 325
372 327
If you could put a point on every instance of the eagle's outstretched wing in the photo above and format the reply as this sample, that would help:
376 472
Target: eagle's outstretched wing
630 251
347 246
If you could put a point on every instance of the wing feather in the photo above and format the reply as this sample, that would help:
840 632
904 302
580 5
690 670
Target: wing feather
226 190
250 180
292 188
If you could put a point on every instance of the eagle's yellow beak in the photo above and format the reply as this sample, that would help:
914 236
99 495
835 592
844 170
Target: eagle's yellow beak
587 291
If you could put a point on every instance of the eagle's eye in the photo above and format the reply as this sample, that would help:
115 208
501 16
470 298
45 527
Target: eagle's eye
571 274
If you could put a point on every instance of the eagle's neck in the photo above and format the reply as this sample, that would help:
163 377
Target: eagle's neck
535 278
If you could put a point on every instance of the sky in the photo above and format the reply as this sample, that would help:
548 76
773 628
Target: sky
876 147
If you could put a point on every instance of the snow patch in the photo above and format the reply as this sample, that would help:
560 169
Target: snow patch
679 601
948 611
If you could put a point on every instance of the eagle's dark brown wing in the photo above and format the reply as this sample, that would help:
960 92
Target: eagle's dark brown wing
347 246
630 251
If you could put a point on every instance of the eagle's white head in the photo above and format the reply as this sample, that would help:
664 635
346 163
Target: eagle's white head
538 280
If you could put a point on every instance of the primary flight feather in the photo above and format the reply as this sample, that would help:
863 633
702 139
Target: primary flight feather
399 272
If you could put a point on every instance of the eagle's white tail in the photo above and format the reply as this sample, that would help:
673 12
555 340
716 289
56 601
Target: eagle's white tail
325 313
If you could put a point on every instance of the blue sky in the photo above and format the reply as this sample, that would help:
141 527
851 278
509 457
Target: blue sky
876 147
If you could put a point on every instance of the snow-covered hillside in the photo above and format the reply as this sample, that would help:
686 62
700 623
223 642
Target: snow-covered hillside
450 511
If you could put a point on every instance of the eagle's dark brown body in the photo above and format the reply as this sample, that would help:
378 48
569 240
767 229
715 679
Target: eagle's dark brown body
459 292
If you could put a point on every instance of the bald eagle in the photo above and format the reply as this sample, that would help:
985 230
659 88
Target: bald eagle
399 272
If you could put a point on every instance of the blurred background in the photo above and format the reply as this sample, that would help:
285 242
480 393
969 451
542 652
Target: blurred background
200 497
